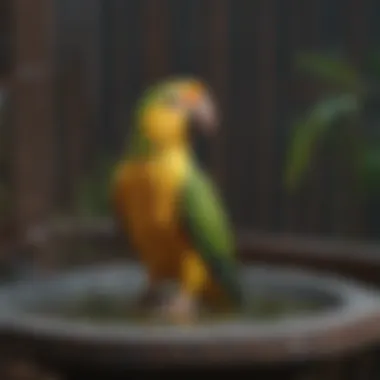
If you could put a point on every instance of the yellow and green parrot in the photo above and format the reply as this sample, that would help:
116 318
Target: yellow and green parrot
169 208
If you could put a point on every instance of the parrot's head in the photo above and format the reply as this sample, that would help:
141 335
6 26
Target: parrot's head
168 109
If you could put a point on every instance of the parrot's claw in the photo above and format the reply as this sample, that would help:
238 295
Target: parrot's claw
182 308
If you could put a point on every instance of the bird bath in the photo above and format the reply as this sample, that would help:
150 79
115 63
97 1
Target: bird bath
291 315
82 316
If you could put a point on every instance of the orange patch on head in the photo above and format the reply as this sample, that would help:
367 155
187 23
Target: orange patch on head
193 93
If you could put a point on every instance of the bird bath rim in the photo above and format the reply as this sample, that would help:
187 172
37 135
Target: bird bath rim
292 338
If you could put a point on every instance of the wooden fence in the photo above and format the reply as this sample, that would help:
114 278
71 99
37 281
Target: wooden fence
108 50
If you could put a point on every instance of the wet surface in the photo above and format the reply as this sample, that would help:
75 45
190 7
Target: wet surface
106 308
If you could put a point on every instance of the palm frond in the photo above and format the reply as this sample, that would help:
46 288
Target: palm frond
333 70
312 128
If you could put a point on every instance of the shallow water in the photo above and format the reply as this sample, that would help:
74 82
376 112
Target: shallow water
104 308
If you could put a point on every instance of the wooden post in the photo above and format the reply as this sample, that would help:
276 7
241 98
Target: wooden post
33 114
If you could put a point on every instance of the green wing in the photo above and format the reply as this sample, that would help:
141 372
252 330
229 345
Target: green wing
207 227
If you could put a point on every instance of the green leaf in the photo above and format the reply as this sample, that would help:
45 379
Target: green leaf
310 129
330 69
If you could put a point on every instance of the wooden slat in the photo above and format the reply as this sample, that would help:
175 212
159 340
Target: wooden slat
357 28
77 94
265 46
34 151
5 37
305 209
316 189
218 74
125 69
76 120
240 132
293 202
188 36
155 16
348 210
198 36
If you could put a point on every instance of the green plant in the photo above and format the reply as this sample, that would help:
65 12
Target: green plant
343 114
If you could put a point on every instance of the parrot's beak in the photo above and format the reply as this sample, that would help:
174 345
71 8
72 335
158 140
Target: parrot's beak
205 114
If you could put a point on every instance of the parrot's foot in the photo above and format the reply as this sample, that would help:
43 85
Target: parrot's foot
182 308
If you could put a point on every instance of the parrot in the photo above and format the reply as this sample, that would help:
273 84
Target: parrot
169 207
